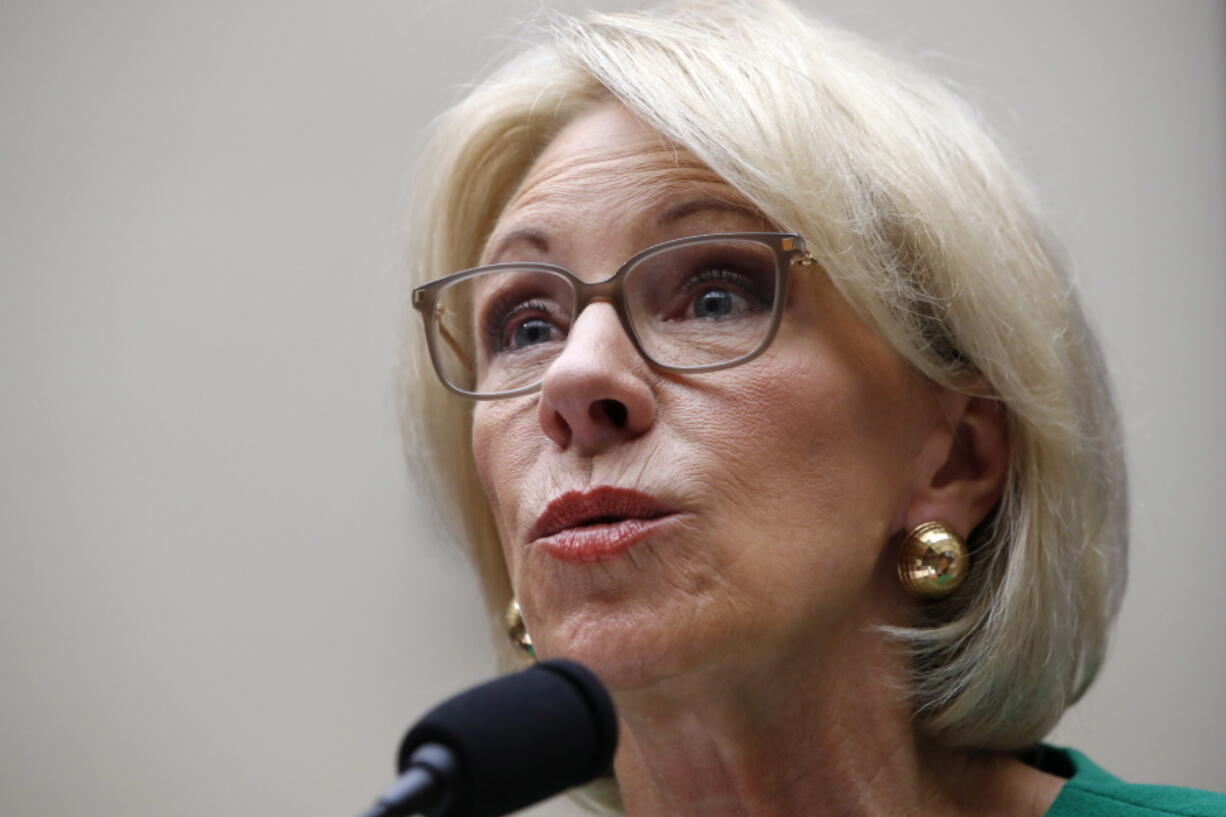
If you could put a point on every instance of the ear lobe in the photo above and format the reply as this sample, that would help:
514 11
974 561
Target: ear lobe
963 466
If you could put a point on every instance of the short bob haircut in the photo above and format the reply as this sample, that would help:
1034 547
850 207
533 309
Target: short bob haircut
931 236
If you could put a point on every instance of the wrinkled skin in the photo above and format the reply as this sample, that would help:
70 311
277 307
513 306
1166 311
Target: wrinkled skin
790 471
792 477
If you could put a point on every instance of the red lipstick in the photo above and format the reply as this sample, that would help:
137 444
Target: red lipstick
591 526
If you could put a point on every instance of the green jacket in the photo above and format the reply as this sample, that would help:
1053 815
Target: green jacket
1091 792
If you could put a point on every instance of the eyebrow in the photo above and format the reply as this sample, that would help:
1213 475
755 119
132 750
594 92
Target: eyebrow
676 212
691 206
530 235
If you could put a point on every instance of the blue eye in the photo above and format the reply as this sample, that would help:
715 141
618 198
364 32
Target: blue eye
718 293
714 304
532 332
512 325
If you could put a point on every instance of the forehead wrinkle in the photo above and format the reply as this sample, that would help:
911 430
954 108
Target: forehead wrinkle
639 177
656 153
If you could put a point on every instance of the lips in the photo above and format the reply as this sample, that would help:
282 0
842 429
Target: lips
589 526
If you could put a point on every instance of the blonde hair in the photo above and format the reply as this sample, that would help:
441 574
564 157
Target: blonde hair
928 232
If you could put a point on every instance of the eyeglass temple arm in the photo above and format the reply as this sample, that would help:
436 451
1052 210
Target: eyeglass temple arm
450 339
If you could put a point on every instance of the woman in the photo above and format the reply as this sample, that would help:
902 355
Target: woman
759 328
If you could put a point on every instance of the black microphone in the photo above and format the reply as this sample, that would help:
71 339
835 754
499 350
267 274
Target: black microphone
505 745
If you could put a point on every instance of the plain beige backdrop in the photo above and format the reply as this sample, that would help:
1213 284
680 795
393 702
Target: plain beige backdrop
220 592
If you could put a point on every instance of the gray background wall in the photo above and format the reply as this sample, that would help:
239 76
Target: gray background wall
220 592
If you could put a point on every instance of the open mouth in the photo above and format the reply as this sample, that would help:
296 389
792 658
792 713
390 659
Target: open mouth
585 526
604 505
610 520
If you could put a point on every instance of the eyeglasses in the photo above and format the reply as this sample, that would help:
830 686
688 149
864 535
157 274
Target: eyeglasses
695 304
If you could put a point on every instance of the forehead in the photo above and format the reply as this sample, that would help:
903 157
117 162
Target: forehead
609 170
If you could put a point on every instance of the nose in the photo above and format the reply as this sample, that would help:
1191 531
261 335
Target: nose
596 394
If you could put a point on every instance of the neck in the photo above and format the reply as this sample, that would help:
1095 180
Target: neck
788 737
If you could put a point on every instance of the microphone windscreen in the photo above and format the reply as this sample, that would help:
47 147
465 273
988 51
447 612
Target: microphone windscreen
520 738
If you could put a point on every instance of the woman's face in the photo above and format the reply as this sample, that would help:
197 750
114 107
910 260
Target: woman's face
657 523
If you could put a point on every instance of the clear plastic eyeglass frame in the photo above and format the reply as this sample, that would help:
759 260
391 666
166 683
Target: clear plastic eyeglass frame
787 248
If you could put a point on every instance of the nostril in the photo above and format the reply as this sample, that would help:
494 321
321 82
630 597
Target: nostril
614 411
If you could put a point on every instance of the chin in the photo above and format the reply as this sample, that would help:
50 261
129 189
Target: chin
627 649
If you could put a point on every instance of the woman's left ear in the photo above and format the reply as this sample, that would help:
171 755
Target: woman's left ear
963 464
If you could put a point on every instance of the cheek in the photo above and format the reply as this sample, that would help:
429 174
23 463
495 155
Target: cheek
803 415
505 450
812 451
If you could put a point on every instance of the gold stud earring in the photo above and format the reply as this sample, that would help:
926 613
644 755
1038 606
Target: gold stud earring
517 631
933 561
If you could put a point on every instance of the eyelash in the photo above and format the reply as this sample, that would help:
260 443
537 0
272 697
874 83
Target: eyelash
502 310
743 282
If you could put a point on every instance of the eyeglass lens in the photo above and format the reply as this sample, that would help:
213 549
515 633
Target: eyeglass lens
689 306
